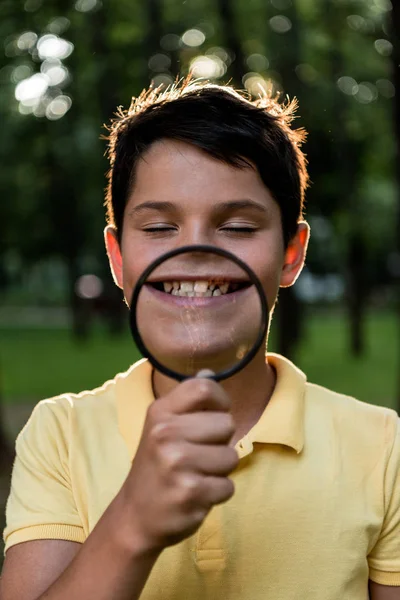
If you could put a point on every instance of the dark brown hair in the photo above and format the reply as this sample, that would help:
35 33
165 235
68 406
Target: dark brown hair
223 123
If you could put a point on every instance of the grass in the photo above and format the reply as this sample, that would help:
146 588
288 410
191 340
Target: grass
40 363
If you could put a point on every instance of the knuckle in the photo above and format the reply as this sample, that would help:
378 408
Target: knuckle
199 515
161 432
190 488
153 416
173 458
204 389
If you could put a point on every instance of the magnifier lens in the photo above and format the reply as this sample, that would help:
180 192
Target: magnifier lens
198 309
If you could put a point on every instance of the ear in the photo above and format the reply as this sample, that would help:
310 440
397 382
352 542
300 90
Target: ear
114 254
295 255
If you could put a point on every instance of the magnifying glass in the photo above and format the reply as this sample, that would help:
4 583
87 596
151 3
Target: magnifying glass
198 307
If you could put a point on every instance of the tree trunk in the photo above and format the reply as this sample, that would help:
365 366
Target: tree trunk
346 165
6 452
232 39
154 26
357 291
396 81
290 311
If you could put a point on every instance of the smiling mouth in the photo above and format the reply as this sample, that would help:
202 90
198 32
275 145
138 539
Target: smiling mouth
199 288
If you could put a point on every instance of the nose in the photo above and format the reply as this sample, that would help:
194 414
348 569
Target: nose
195 234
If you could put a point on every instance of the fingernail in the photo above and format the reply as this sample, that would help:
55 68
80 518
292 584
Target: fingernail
205 374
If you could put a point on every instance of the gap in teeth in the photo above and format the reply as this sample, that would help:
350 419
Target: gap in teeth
200 288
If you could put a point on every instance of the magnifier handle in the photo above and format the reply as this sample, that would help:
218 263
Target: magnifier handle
205 374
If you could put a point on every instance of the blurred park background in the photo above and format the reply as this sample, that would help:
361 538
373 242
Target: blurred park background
66 65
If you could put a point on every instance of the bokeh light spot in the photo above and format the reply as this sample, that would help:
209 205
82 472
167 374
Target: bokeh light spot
88 286
383 5
11 48
386 88
27 40
210 67
59 25
162 80
383 47
58 107
220 53
347 85
356 22
280 24
32 5
257 62
21 72
87 5
193 38
170 42
367 92
255 84
159 62
28 91
55 71
52 46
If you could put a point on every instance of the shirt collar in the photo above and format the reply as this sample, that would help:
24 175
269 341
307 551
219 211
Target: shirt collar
282 421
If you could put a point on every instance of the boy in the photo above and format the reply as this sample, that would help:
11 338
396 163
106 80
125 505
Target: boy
123 492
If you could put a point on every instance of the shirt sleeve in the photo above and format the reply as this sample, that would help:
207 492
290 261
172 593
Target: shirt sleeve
384 559
41 501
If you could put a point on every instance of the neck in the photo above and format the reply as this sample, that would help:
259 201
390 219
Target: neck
249 390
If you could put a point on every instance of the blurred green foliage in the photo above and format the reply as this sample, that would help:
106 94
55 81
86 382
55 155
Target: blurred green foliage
39 363
334 55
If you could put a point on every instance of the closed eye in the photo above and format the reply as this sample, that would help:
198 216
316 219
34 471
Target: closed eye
159 229
239 229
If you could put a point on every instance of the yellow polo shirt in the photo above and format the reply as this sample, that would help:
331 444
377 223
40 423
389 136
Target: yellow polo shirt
316 509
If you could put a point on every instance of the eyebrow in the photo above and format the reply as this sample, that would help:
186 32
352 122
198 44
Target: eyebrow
152 205
164 206
239 204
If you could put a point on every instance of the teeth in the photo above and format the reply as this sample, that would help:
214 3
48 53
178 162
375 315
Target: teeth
200 286
186 286
199 289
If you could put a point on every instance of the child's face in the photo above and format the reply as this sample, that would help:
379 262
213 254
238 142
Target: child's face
196 199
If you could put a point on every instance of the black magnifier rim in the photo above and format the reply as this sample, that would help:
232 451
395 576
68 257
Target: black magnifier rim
211 250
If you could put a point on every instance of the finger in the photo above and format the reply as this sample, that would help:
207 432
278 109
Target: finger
212 460
194 395
205 374
204 427
217 490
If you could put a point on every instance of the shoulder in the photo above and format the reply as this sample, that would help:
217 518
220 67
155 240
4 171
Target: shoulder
57 415
353 422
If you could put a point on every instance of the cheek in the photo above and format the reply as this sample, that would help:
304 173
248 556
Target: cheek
133 265
268 267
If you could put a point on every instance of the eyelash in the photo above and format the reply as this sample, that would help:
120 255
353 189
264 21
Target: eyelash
164 229
158 229
239 229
